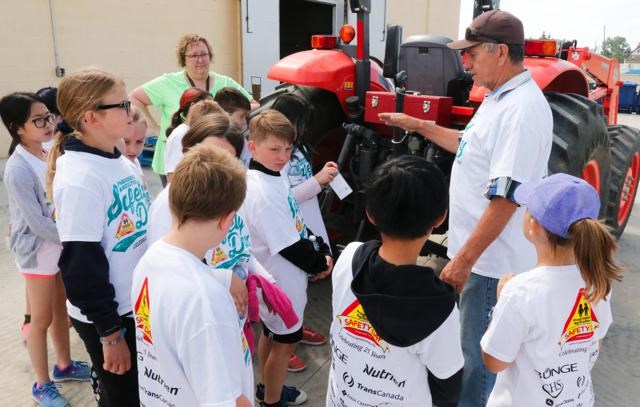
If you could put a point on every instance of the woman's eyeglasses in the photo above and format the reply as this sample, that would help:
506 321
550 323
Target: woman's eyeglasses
126 105
198 56
42 121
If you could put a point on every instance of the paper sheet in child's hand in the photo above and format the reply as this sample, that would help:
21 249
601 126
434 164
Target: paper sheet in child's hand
340 186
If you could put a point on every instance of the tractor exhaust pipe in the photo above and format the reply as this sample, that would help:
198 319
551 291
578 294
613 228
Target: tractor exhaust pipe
362 8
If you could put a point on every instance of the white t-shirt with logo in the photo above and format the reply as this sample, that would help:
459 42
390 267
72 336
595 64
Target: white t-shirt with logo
191 348
273 217
103 200
366 370
297 171
544 326
173 147
509 136
160 224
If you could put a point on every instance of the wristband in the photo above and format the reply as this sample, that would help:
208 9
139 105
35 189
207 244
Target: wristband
112 342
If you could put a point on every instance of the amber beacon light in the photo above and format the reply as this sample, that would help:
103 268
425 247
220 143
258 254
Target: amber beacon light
347 33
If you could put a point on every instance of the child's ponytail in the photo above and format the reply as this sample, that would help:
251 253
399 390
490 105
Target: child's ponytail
188 98
176 120
593 248
63 132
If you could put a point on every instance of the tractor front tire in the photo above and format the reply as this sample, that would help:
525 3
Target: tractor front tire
580 141
625 170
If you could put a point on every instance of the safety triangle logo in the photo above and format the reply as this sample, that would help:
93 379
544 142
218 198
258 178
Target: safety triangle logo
355 321
125 227
218 256
143 317
582 322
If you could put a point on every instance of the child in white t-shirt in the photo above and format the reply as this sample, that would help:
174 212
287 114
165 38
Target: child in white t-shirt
35 243
395 332
280 242
191 350
305 187
181 120
134 141
548 324
102 214
233 253
236 104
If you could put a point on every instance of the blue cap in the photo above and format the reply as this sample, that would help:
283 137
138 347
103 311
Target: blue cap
558 201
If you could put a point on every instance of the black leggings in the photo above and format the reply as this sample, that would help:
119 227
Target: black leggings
111 390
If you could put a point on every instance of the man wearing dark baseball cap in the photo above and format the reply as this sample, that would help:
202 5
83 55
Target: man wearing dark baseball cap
497 26
506 143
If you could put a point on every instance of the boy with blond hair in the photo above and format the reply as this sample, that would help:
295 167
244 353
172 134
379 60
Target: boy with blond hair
280 242
191 350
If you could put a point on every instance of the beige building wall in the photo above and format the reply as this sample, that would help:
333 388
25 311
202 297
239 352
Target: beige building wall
136 39
440 17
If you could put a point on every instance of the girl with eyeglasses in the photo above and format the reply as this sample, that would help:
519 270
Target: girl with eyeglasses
102 214
36 245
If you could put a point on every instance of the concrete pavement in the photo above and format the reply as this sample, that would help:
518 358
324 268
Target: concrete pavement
616 374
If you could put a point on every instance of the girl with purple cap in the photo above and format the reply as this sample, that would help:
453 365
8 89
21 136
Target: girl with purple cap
548 324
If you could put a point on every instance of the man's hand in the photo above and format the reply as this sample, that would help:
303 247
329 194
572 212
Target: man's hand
117 358
327 173
503 280
400 120
456 273
238 291
491 224
325 273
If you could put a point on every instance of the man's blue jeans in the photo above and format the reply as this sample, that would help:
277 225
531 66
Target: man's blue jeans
476 301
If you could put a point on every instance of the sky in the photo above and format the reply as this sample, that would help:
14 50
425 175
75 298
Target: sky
582 20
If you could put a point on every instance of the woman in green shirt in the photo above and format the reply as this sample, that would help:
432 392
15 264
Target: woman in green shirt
194 56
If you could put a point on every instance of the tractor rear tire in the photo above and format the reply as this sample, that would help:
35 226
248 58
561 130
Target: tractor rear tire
625 170
580 141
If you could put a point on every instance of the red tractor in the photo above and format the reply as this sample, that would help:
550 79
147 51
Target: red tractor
425 79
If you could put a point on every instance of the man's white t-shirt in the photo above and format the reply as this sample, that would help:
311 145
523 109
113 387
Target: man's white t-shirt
173 147
544 326
509 136
191 348
366 370
297 171
273 217
101 199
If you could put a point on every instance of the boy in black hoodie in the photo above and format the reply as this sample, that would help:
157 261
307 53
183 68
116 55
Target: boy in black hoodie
395 337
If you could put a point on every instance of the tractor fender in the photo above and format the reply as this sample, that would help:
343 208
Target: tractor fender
332 70
551 75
